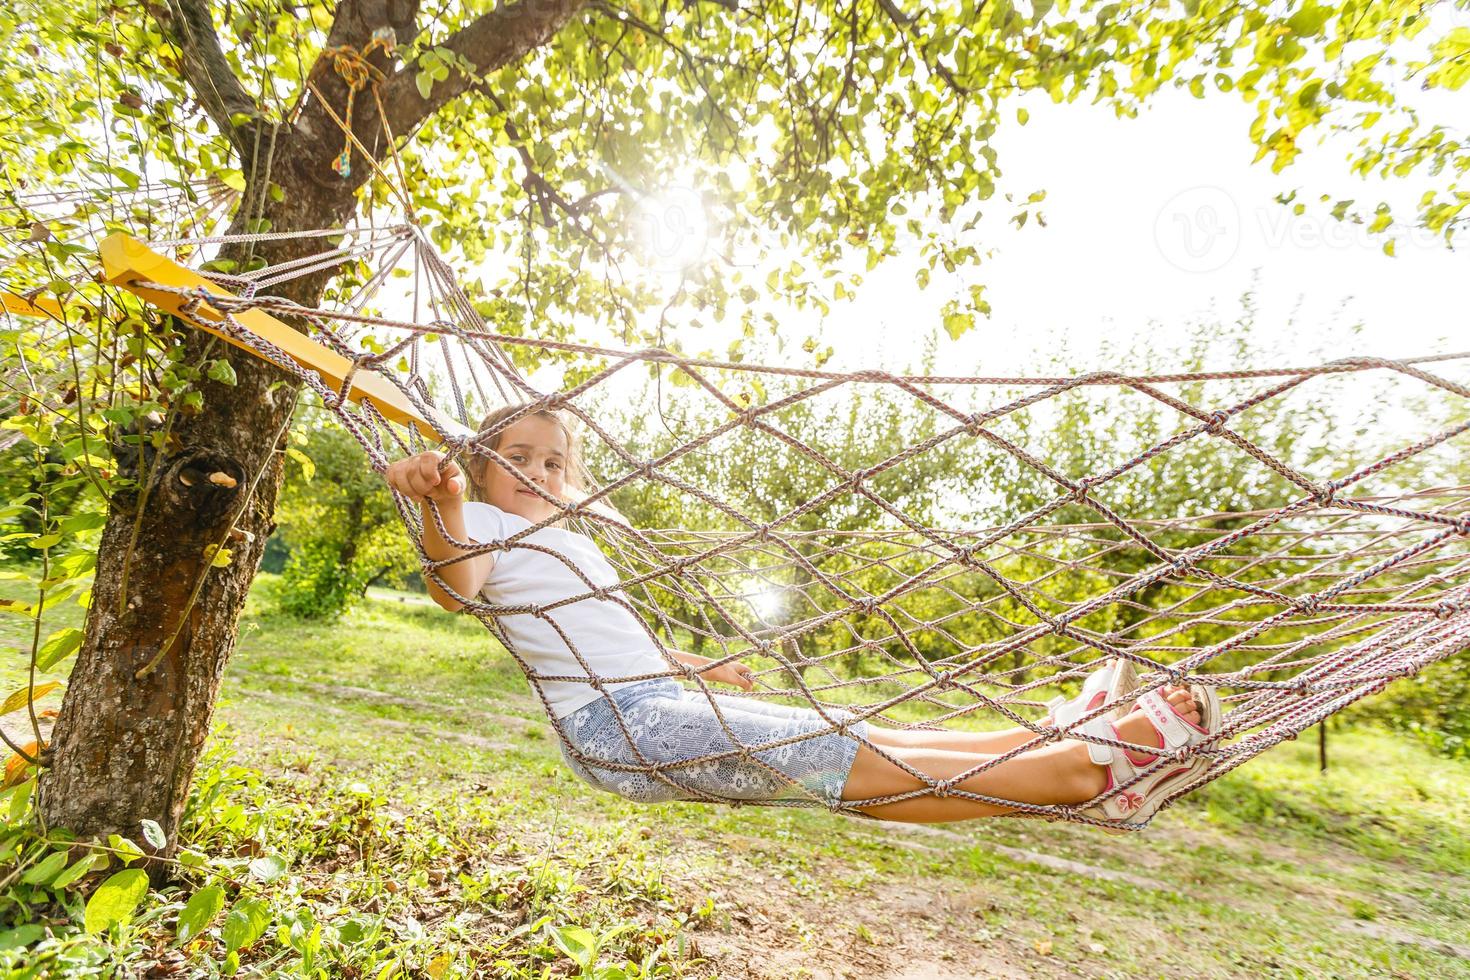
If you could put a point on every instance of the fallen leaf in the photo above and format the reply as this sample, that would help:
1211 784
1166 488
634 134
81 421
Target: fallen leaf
15 769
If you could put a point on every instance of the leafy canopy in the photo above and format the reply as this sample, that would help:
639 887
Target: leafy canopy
717 158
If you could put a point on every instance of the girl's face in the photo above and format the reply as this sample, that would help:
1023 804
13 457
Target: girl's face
537 447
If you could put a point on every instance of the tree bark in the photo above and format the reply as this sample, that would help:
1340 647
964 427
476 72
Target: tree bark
125 746
128 737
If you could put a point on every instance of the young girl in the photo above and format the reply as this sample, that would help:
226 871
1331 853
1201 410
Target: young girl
631 728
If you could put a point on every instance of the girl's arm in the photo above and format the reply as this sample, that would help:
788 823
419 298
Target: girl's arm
465 577
734 672
418 478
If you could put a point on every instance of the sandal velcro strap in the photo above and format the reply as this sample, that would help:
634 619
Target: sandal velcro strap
1061 711
1176 730
1100 755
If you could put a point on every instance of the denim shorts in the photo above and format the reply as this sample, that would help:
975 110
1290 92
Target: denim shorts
674 730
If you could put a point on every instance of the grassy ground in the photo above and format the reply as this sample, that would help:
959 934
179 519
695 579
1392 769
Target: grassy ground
396 762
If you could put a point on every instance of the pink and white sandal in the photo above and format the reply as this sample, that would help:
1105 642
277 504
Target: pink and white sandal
1106 685
1136 804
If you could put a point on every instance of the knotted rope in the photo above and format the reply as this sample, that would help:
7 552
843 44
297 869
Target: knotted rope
353 67
1292 612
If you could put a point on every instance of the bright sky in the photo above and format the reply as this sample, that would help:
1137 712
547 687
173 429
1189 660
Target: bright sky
1162 220
1154 225
1155 221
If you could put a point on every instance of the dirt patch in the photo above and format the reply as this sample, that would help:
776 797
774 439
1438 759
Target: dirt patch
1394 934
17 728
896 831
887 931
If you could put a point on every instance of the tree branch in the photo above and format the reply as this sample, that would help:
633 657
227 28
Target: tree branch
906 27
191 29
490 42
896 15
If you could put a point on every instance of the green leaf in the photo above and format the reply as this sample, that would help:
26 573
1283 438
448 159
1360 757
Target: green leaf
82 522
59 645
957 324
48 869
578 943
115 900
202 908
84 867
1452 53
222 371
308 468
154 835
73 565
21 936
127 851
246 923
1309 21
268 868
20 798
218 557
191 859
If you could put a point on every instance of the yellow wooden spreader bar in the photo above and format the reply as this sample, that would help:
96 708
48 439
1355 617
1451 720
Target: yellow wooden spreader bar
127 262
43 306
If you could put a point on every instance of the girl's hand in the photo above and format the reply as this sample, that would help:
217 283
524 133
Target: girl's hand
733 673
418 478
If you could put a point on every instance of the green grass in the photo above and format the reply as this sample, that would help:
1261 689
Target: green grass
398 764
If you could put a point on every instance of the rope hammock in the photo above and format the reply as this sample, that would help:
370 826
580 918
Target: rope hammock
1291 613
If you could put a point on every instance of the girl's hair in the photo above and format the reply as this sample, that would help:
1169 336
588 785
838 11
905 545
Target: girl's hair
578 485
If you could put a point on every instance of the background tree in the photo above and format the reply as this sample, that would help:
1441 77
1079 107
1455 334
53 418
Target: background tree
338 522
545 129
1173 499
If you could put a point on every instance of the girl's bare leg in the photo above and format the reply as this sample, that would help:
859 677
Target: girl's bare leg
975 743
1056 773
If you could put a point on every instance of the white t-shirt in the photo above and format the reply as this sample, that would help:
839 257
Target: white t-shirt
612 640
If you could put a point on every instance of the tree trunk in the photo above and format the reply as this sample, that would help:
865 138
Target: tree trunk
125 745
347 554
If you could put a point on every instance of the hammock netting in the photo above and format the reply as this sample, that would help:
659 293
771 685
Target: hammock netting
1292 612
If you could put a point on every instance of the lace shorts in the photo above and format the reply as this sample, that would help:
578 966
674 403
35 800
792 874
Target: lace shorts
671 726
